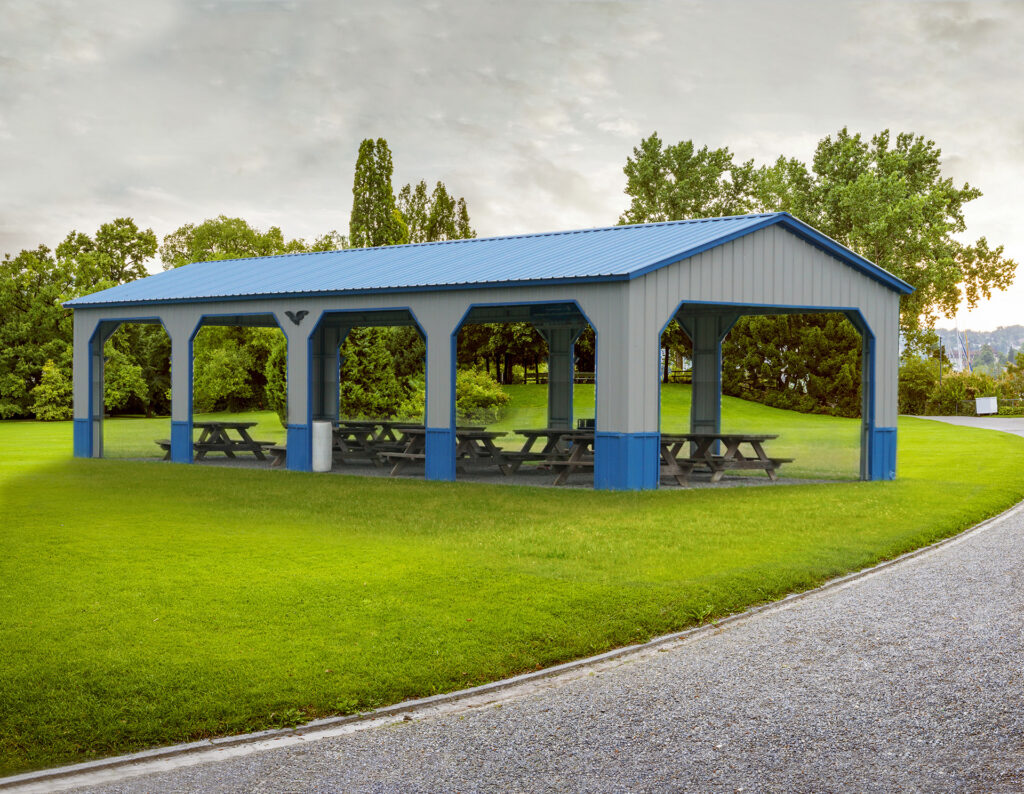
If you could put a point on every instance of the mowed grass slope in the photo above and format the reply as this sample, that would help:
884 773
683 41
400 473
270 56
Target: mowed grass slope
145 604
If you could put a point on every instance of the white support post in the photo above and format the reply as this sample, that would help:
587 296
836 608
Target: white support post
182 332
87 380
627 436
300 421
439 330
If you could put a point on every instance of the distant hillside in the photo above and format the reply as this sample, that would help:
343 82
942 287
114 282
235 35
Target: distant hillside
1001 339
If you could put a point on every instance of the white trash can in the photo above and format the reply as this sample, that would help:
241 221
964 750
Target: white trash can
986 405
322 453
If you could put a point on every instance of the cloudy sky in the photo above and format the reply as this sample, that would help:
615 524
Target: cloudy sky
172 112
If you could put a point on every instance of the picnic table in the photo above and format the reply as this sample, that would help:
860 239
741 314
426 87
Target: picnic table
355 442
381 430
676 463
216 438
473 445
554 448
579 455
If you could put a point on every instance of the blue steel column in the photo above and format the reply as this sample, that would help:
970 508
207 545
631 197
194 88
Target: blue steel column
561 364
326 371
706 331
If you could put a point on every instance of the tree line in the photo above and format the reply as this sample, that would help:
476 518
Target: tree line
883 196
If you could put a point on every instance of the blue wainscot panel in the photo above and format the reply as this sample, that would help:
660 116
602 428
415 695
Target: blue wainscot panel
82 438
882 453
181 442
300 448
440 451
626 461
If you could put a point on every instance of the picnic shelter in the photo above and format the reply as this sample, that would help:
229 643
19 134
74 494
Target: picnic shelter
627 282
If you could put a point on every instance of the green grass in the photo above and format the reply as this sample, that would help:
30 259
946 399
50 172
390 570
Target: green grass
145 604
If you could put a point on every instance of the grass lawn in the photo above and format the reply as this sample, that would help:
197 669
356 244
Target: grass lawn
145 604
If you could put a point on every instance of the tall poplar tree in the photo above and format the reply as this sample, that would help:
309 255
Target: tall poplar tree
375 220
414 204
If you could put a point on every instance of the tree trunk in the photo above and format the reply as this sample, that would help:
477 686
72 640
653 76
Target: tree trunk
664 377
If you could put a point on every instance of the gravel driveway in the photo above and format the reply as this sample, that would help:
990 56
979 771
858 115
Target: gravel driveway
911 679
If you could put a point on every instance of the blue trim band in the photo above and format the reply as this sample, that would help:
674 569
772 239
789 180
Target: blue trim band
82 438
300 448
626 461
440 450
882 453
181 441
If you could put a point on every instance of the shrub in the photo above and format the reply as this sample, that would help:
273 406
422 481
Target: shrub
478 397
51 398
917 382
957 387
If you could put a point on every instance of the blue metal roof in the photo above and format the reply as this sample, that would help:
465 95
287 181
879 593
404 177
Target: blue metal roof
608 254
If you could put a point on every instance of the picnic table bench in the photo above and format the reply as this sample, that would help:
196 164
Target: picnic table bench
216 438
554 447
675 461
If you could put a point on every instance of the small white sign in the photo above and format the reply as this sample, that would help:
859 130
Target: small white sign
986 405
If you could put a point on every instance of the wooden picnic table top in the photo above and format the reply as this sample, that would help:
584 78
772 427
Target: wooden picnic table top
719 436
544 431
224 425
377 423
474 431
579 435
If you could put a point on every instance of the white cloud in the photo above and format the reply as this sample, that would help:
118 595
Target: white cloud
172 112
